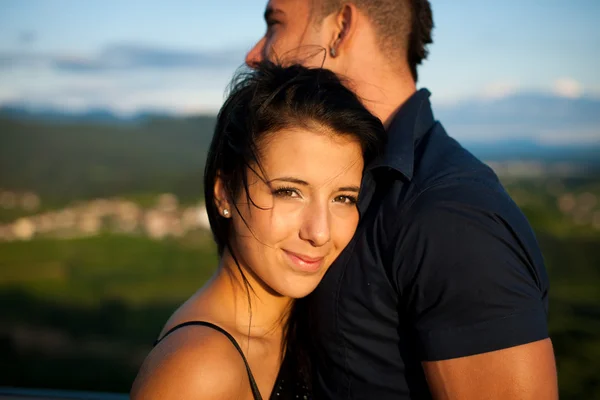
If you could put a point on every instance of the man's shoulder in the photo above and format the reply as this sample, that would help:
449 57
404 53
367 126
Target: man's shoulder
453 188
445 171
442 160
450 186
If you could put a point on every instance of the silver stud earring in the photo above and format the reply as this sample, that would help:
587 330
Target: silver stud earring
332 51
225 212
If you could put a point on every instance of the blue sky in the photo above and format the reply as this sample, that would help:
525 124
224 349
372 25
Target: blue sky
179 55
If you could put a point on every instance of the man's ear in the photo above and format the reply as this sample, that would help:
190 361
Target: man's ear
345 21
222 201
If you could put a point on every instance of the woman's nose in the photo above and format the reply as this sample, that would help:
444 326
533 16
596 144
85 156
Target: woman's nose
315 228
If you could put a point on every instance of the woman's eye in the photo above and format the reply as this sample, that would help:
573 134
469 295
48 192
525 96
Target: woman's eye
350 200
286 193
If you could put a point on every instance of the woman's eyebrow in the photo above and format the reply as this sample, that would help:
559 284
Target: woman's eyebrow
290 180
297 181
355 189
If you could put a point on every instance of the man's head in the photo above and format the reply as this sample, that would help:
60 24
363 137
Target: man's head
341 34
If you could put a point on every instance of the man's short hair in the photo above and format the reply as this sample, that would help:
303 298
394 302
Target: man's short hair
403 27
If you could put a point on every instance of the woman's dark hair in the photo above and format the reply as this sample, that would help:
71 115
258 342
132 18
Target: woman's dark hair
262 102
266 100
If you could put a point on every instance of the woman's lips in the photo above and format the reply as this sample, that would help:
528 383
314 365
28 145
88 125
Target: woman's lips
303 262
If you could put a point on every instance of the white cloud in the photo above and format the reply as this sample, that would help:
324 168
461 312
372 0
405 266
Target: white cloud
498 90
179 90
7 94
176 100
588 135
582 135
567 87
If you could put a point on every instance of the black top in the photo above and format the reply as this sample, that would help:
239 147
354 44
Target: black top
282 390
443 265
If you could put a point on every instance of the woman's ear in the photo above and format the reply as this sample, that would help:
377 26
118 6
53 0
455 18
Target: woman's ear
222 201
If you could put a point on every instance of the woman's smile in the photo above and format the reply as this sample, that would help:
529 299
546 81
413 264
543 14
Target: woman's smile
304 263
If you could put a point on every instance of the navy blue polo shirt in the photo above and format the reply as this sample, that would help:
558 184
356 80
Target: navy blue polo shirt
443 265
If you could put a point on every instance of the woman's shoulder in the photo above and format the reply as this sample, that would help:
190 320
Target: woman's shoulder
191 360
193 309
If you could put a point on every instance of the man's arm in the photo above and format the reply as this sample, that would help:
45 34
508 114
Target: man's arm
523 372
473 283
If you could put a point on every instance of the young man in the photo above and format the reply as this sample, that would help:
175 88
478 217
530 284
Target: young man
442 292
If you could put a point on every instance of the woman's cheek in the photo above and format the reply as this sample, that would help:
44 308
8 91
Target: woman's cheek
284 219
344 224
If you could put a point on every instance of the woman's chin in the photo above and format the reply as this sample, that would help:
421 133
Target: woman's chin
297 289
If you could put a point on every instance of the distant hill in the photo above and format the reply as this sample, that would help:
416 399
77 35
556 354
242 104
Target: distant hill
545 120
66 155
538 117
536 108
526 149
23 112
72 160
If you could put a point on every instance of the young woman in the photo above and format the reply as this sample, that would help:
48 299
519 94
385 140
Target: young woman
281 184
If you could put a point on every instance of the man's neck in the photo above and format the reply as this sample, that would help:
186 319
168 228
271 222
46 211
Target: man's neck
385 102
382 90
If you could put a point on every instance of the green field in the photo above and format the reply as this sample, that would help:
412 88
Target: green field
82 313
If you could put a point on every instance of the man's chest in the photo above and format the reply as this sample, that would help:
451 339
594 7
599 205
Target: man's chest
358 321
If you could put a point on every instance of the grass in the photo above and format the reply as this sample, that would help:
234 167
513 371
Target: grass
88 271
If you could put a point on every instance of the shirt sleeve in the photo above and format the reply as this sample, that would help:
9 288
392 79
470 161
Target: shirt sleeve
469 273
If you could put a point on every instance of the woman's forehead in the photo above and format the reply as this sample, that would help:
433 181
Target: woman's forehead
315 157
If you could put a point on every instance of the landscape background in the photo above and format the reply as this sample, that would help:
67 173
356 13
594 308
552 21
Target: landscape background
104 126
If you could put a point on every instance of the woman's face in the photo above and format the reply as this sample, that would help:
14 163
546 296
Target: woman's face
302 211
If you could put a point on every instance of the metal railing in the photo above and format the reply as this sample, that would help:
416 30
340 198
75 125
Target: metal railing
7 393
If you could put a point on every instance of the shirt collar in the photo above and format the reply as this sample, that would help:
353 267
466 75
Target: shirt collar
412 121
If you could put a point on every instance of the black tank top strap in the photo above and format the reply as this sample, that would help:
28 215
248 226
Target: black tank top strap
253 386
